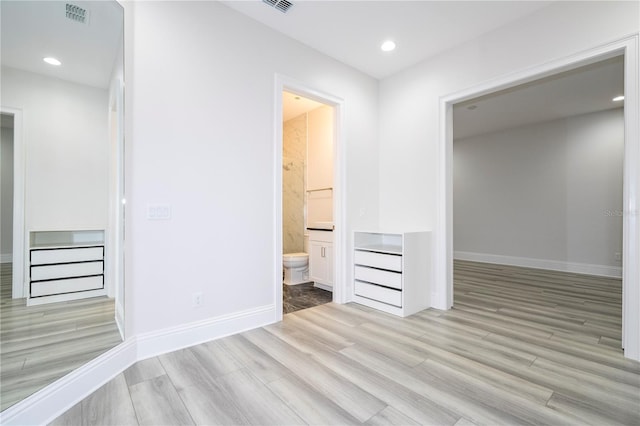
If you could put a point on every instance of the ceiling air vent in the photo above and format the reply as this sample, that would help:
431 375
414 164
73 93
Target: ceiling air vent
76 13
282 5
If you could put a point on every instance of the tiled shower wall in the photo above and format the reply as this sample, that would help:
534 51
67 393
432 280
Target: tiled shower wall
294 154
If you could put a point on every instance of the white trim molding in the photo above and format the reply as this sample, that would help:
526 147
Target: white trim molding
52 401
18 289
443 256
631 200
191 334
552 265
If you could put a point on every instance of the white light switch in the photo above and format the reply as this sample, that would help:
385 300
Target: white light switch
158 211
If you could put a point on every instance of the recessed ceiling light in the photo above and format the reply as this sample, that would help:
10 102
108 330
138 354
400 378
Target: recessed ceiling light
388 46
52 61
618 98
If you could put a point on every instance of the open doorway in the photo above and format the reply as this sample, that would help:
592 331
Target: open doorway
6 193
443 290
307 202
334 274
537 202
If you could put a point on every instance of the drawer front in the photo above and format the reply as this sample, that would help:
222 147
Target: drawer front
46 288
381 294
322 236
378 260
378 276
80 254
67 270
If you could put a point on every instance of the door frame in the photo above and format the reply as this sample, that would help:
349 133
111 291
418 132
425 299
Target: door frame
284 83
442 295
18 274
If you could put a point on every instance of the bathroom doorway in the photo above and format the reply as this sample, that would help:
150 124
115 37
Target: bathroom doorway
308 133
6 192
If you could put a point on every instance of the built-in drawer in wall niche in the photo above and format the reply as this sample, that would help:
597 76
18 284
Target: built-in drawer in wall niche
391 271
65 265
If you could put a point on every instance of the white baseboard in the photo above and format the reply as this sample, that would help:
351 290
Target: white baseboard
47 404
6 258
175 338
553 265
52 401
323 286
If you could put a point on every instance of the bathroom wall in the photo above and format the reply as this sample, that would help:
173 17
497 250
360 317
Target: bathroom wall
307 164
294 154
6 156
320 165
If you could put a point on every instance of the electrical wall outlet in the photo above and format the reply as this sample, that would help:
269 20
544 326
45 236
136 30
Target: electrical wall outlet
617 256
196 299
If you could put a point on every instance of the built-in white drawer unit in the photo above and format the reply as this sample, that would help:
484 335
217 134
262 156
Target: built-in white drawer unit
391 271
65 265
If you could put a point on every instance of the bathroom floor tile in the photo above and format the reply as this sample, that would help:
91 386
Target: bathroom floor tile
303 296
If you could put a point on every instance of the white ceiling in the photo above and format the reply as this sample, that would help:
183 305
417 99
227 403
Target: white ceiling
294 105
580 91
583 90
352 31
32 30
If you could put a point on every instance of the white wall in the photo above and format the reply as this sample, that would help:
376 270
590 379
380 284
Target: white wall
200 116
543 192
6 194
409 101
320 165
66 150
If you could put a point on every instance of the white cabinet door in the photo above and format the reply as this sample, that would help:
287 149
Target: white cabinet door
316 261
328 256
321 262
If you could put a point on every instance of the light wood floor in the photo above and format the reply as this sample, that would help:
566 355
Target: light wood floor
521 346
40 344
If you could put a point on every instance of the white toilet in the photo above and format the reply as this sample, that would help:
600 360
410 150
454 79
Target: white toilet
296 265
296 268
